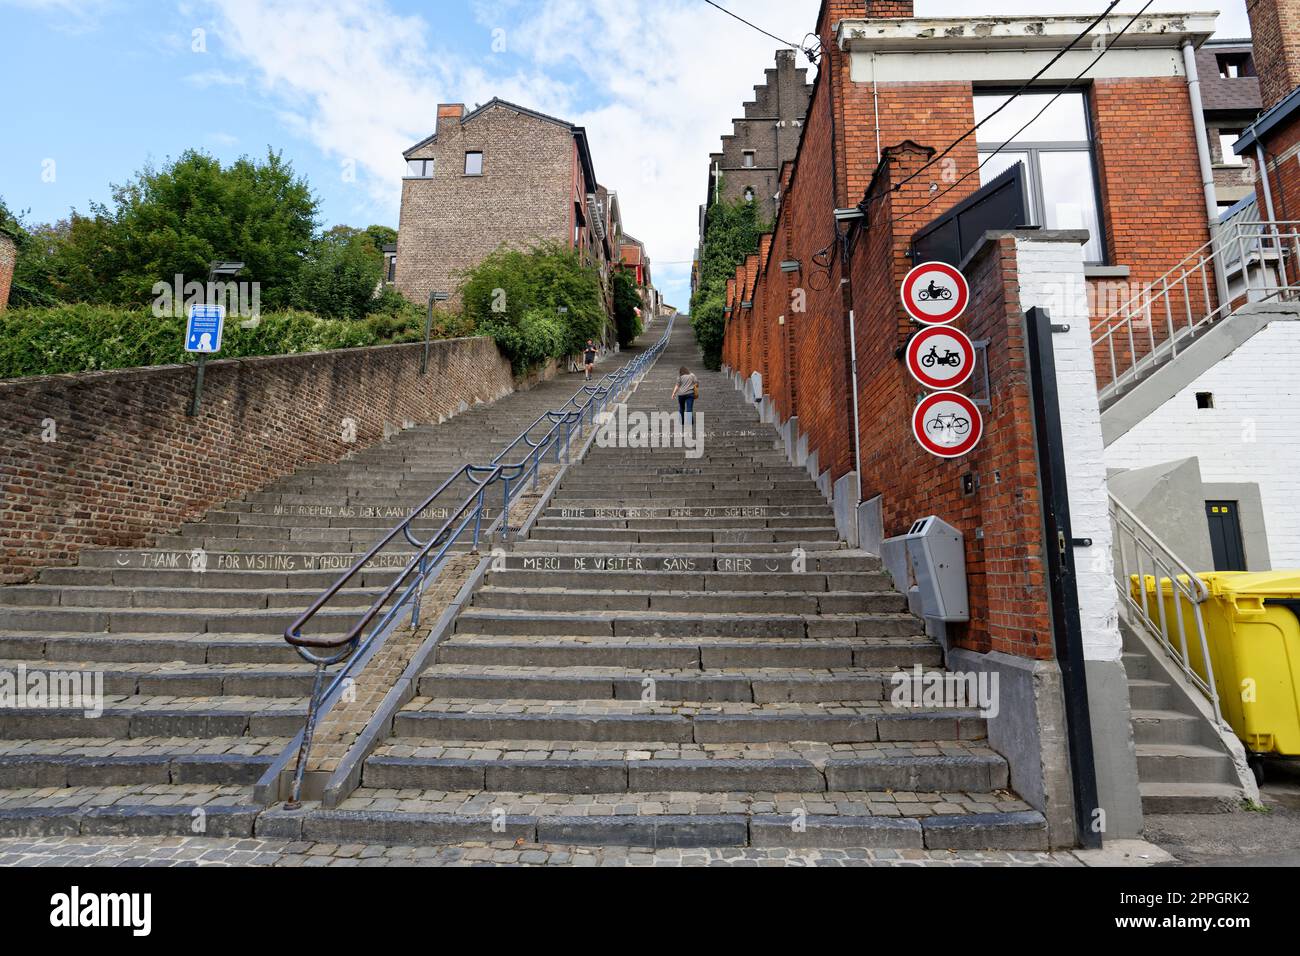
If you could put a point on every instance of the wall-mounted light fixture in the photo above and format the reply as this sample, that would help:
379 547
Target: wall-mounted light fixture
791 265
852 214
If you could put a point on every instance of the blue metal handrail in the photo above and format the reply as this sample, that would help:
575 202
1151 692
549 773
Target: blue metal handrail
566 422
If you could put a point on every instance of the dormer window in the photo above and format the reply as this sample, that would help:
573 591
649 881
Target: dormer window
419 169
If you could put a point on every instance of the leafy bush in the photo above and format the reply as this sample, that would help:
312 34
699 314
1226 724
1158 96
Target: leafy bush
516 296
627 302
79 338
732 232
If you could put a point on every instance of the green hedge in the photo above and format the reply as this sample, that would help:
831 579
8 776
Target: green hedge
82 338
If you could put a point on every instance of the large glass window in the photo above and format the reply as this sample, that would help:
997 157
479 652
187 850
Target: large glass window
1056 150
473 164
419 168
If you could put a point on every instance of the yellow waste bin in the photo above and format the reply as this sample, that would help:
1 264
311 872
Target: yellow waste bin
1252 627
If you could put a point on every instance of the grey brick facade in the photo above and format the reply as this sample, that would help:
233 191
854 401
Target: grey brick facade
768 134
535 184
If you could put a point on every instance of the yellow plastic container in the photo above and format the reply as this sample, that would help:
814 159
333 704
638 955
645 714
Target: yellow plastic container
1252 628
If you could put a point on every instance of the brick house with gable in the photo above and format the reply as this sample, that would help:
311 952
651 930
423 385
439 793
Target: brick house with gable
500 174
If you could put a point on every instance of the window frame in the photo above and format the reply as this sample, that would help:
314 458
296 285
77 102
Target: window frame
1034 201
479 154
749 159
428 165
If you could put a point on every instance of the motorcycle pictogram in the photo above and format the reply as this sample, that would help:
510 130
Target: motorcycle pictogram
934 293
949 358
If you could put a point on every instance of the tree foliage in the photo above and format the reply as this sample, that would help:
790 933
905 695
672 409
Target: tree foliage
516 296
627 302
731 234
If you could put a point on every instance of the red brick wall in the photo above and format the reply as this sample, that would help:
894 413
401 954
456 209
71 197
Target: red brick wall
8 256
127 463
1275 28
1284 172
1152 201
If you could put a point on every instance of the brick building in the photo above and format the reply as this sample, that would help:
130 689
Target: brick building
1111 205
8 259
1230 94
766 137
1274 139
499 175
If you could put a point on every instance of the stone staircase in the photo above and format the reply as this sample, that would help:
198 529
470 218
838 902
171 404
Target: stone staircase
684 654
1183 765
201 691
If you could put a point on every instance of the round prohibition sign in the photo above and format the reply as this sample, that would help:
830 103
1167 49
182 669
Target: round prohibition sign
934 293
941 358
948 425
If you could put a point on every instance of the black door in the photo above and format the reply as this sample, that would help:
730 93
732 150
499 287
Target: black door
1225 535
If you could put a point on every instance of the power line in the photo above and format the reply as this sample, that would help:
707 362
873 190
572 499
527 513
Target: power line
1032 121
1028 83
754 26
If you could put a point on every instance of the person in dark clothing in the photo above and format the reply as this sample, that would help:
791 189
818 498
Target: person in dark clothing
589 358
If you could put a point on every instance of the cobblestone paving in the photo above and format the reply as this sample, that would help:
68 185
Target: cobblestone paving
817 753
192 851
143 794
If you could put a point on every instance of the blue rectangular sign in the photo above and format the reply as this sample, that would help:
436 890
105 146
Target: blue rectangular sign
204 330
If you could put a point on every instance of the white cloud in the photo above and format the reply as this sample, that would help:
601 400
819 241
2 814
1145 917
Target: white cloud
656 83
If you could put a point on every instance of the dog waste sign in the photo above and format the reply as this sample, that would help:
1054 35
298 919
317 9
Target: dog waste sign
941 357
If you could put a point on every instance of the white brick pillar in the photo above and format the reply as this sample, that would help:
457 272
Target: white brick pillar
1051 277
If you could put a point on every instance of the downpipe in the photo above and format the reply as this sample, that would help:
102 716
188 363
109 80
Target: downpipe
1207 170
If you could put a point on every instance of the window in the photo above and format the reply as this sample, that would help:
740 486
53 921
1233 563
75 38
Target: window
1227 139
1204 400
749 159
392 268
419 169
749 194
1056 150
1235 66
473 164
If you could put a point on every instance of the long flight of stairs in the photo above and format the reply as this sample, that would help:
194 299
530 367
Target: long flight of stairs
201 691
684 654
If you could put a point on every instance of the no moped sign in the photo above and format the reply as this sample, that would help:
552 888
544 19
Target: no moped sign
948 425
935 293
941 358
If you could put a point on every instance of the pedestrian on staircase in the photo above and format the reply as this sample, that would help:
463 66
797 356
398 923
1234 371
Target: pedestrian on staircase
589 358
686 392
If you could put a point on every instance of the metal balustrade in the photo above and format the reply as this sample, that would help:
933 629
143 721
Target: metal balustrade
1164 597
552 435
1258 261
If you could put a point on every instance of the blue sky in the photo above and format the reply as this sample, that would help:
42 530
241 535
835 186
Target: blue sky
341 87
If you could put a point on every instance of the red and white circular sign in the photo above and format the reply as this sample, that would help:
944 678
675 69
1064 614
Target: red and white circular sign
935 293
941 357
948 425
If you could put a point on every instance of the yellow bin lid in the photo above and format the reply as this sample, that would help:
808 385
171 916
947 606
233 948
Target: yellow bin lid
1248 590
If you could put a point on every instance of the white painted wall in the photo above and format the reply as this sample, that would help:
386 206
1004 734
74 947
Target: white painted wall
1051 277
1249 436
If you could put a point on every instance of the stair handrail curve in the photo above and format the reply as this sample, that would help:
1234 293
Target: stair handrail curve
1155 571
566 423
1133 323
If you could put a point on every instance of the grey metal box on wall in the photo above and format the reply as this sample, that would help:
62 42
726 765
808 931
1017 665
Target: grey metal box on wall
936 569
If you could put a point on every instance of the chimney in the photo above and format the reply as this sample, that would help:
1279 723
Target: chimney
1276 28
8 257
449 115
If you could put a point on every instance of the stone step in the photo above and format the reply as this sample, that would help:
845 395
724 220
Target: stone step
589 560
136 810
935 821
689 514
177 598
1146 694
546 531
815 584
674 653
714 602
578 768
1183 763
1190 797
655 624
129 717
175 679
147 760
630 719
294 558
774 550
1165 727
309 581
190 648
198 620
